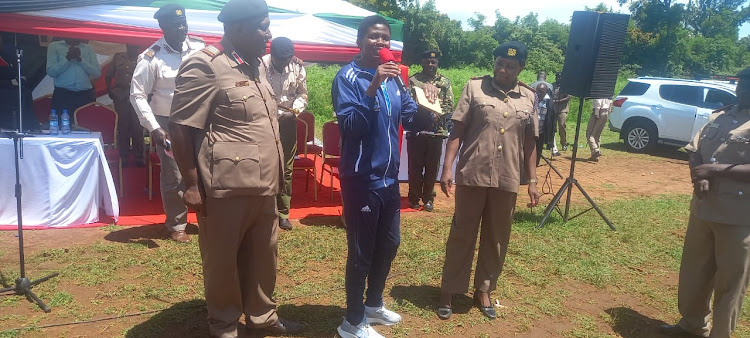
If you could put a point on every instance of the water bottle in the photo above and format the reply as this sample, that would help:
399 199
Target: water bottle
53 130
65 129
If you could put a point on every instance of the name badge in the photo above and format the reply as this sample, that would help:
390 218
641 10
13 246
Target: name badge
242 83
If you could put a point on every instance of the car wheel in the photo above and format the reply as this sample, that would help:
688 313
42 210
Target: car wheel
639 137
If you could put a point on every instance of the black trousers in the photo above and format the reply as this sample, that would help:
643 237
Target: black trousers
424 158
70 100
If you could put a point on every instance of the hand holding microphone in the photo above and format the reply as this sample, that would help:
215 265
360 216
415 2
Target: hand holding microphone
390 69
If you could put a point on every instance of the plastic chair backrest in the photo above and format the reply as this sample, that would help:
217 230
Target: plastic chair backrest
331 139
42 108
301 137
97 117
309 118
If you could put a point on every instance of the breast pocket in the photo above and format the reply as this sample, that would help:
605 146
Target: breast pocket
487 111
235 108
235 165
738 144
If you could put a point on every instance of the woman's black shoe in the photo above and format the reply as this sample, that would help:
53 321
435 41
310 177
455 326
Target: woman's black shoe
488 311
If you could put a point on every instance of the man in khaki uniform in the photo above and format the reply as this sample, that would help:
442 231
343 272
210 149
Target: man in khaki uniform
128 128
224 124
288 79
562 106
597 122
425 147
495 126
716 255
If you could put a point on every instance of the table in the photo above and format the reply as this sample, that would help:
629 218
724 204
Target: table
65 181
403 168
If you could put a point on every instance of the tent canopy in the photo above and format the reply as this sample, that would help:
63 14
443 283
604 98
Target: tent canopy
315 38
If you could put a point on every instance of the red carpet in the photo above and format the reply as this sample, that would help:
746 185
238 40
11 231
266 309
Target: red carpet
136 209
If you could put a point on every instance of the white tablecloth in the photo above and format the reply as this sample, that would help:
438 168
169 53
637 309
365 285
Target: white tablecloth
403 168
65 181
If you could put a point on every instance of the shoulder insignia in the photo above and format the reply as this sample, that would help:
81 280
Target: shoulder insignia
152 51
196 38
525 86
723 109
297 60
478 77
213 50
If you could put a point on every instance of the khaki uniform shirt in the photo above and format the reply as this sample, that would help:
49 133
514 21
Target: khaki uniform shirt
238 151
121 69
725 139
290 86
561 107
495 126
154 75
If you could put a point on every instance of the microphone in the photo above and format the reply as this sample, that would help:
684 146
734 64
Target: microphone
387 56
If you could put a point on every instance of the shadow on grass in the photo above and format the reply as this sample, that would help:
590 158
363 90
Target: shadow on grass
322 220
426 297
319 320
629 323
145 234
660 150
184 319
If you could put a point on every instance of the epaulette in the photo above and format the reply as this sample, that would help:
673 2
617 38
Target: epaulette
213 50
723 109
525 86
479 77
152 51
297 60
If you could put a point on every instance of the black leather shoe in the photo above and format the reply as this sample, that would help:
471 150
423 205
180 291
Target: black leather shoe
487 311
282 327
676 330
444 312
284 224
428 206
414 206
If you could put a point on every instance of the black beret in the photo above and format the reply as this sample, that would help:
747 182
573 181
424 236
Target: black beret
745 73
512 50
235 10
282 48
170 12
430 54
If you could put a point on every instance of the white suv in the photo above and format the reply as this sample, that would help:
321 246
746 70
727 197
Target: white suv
652 110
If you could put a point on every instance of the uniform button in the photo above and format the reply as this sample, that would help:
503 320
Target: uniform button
244 98
505 114
237 158
739 193
505 100
499 148
713 159
502 130
734 121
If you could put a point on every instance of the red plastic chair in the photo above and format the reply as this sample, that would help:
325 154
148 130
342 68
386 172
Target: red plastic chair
98 117
42 107
331 152
302 162
309 119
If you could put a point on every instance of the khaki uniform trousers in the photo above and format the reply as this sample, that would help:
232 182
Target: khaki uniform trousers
171 186
424 159
715 259
594 129
494 208
128 127
238 247
288 136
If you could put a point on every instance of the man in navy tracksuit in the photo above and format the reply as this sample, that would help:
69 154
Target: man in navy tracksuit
369 107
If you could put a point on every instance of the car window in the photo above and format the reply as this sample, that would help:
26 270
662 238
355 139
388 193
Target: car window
635 88
690 95
715 99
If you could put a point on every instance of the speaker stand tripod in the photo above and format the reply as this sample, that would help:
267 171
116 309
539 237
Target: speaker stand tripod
552 167
23 284
570 182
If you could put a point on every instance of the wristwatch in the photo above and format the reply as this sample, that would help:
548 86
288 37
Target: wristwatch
533 180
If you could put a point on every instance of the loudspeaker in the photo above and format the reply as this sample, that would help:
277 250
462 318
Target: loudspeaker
592 59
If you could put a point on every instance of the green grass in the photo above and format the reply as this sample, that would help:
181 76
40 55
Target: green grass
639 260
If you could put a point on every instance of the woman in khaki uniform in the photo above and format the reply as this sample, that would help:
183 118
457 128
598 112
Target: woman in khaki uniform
716 255
496 128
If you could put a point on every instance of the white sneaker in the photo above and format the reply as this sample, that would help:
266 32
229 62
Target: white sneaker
363 330
381 315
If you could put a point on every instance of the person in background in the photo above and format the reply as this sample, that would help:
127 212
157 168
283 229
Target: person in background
288 79
73 65
369 106
151 94
597 122
546 113
495 127
716 254
562 106
9 89
128 128
425 147
225 126
541 77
